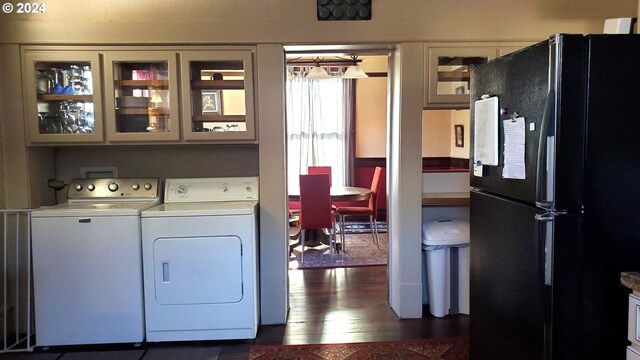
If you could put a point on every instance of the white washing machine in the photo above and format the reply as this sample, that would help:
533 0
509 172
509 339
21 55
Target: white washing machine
87 263
200 260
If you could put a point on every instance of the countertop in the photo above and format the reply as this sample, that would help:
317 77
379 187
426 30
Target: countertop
445 199
631 280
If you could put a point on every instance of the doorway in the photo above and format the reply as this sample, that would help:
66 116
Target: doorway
342 124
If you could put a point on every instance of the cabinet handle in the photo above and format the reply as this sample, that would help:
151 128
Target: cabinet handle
637 322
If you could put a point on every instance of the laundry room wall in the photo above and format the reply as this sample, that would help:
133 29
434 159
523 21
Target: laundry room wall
158 161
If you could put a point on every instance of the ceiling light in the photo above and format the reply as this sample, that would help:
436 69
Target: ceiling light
354 71
317 72
290 75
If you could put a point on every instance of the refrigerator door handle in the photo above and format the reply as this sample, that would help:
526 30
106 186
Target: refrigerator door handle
546 156
545 239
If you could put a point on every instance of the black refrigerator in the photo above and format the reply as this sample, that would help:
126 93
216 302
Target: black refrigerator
548 243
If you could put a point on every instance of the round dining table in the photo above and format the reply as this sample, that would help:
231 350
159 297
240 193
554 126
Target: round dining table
338 193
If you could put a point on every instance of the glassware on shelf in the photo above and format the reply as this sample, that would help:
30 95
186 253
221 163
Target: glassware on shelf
43 83
76 79
87 82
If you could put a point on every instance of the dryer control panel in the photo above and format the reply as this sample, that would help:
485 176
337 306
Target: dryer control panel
211 189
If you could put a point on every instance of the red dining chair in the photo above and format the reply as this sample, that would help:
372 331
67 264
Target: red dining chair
320 170
315 208
371 210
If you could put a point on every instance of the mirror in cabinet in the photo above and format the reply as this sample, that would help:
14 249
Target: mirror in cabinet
62 92
142 96
448 75
220 89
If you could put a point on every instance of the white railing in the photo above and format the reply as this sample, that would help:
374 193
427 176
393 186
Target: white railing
16 307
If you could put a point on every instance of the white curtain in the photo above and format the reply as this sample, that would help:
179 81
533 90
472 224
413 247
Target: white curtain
318 125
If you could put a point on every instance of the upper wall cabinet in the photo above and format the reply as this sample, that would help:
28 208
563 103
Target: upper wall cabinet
141 96
217 87
62 92
448 71
448 74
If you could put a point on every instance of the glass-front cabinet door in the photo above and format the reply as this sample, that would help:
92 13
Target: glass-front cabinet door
217 87
62 96
448 74
141 96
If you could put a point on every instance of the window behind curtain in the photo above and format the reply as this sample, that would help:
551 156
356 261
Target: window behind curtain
318 119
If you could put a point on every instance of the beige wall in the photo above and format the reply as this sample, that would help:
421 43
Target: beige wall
436 129
286 21
438 138
371 109
460 117
269 24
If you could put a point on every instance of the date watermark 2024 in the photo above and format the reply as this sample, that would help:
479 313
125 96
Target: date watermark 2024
24 8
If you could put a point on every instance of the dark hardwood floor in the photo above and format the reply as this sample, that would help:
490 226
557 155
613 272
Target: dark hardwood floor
346 305
326 306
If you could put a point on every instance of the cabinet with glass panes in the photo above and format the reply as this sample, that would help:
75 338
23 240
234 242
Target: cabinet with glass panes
217 90
448 74
141 96
448 69
62 96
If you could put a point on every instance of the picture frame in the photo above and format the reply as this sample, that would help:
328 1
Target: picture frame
459 135
211 102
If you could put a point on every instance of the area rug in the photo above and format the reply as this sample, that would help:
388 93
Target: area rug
430 349
359 227
360 251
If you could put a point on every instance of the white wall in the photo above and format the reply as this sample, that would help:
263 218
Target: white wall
404 179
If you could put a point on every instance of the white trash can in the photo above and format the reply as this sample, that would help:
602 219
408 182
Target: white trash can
445 245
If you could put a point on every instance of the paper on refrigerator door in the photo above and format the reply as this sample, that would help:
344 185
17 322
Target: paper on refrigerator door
485 134
514 138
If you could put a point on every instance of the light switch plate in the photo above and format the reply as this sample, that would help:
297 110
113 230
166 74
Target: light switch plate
477 170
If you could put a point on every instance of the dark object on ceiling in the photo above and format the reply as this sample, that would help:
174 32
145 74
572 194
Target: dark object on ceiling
330 10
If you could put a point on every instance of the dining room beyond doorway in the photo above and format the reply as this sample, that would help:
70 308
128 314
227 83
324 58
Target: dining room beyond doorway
327 117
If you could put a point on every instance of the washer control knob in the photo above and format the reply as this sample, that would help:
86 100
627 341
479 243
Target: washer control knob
113 187
78 187
91 187
135 186
181 190
147 186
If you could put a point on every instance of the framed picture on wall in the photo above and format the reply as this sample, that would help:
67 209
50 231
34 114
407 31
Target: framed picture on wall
211 104
459 134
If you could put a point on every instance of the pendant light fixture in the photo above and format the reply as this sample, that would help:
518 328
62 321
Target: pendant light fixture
354 71
290 75
317 72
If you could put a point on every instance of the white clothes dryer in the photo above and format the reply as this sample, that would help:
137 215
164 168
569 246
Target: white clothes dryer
200 260
87 263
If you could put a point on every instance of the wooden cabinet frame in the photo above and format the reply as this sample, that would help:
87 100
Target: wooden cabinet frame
111 61
192 102
33 56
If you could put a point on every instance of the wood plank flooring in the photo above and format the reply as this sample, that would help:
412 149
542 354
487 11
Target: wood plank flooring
326 306
346 305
